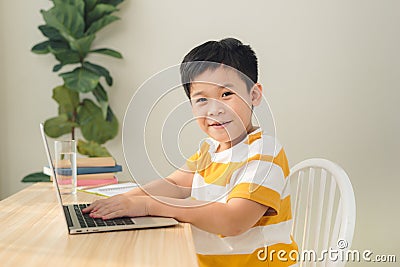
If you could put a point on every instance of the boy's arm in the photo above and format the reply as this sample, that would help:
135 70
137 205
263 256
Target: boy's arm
229 219
176 185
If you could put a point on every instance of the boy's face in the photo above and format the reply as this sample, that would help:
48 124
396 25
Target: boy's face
222 105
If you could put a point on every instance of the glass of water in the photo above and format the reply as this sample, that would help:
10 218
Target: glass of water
65 166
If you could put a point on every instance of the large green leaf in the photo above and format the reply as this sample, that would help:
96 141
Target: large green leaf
63 54
92 149
66 20
78 5
101 96
51 33
58 126
66 57
41 48
82 45
57 67
36 177
107 51
89 5
80 80
93 126
99 70
67 100
100 93
101 23
58 46
98 12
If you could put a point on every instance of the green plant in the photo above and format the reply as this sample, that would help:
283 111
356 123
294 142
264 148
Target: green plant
70 28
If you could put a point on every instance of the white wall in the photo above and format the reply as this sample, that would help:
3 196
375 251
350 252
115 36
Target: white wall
330 72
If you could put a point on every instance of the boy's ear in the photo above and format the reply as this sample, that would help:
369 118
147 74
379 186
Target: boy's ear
256 94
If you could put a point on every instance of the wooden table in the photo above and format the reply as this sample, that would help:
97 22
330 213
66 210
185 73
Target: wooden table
33 233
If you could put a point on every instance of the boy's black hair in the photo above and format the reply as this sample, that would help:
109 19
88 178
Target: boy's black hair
228 51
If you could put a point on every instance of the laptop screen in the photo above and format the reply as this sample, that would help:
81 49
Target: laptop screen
50 161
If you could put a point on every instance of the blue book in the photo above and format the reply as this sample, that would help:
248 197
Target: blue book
85 170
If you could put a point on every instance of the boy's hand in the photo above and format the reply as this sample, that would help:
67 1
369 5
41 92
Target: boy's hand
118 206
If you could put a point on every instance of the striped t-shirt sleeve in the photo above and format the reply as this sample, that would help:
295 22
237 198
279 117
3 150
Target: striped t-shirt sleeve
262 179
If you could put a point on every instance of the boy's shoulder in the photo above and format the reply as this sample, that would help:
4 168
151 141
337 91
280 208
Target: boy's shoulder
263 143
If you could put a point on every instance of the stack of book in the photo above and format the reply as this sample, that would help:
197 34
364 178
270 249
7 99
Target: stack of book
91 171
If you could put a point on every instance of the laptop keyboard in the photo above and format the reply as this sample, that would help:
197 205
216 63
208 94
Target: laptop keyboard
86 221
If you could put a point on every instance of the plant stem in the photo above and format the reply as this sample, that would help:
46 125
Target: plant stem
73 133
74 115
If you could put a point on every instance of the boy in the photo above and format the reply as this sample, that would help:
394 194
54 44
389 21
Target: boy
240 202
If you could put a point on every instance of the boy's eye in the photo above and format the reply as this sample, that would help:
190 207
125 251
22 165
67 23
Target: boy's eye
225 94
201 99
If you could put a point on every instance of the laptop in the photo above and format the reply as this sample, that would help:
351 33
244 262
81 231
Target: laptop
80 223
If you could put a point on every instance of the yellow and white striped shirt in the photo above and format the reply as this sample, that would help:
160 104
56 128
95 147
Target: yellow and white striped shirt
255 169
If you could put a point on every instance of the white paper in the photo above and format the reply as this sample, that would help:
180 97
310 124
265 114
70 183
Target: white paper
111 190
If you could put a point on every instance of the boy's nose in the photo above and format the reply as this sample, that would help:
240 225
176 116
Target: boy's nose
215 108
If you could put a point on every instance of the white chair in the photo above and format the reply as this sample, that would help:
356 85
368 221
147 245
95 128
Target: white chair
323 211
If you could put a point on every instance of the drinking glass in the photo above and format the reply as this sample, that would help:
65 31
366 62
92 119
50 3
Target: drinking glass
65 166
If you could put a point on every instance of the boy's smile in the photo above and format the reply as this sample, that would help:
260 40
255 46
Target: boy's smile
222 105
219 125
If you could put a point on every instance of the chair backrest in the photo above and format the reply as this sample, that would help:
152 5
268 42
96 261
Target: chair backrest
323 211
